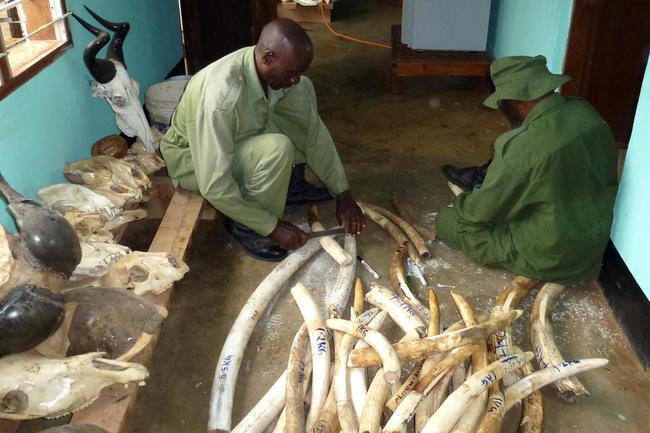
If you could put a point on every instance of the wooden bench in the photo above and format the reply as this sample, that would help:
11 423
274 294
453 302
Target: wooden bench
413 63
174 234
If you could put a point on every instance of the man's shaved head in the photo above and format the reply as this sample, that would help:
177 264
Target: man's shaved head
283 52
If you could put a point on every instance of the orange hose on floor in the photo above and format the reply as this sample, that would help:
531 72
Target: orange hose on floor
346 37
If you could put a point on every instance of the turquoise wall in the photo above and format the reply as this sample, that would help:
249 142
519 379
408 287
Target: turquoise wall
52 119
529 28
631 229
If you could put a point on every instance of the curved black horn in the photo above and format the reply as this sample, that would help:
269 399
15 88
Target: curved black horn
102 70
121 30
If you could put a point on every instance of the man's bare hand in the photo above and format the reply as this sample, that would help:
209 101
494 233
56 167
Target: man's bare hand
349 214
288 236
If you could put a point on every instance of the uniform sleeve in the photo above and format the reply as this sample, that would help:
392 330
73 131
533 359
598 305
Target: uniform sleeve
296 115
211 143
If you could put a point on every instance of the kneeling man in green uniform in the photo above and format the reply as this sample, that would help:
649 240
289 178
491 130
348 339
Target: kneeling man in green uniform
545 207
243 132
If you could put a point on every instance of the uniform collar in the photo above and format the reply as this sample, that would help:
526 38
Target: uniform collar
255 92
543 106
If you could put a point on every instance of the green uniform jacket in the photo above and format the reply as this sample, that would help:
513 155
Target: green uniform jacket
546 206
224 104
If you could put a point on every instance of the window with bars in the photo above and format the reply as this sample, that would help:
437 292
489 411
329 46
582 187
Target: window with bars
32 34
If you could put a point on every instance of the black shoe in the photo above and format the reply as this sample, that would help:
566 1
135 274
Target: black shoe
302 192
466 178
255 245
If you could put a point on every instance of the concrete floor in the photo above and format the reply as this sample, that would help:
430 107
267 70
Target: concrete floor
387 143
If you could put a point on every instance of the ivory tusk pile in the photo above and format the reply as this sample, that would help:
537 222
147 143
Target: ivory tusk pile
424 347
546 352
444 419
320 349
398 310
500 346
407 408
374 339
232 352
328 243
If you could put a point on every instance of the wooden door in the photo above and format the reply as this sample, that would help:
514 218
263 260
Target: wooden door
607 55
214 28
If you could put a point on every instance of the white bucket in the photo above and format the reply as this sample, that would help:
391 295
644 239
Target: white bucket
162 98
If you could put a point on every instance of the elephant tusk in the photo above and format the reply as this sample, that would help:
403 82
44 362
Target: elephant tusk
372 407
398 310
358 375
500 346
410 232
392 230
232 352
426 407
374 339
407 386
444 419
421 228
295 409
546 352
328 243
398 281
320 349
408 407
532 415
548 375
424 347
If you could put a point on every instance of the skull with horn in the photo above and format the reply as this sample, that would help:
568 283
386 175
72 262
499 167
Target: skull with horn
112 82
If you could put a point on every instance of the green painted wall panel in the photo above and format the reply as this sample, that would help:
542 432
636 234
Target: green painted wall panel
52 119
631 229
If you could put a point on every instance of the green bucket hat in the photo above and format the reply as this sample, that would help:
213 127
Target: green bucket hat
522 78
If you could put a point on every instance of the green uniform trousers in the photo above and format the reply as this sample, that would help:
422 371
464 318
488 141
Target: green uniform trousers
262 168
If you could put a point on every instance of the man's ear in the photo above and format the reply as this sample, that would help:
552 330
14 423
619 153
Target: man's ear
268 57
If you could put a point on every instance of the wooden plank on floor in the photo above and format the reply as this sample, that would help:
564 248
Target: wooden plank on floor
115 403
7 426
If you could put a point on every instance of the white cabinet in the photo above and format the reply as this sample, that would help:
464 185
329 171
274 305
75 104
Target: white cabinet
455 25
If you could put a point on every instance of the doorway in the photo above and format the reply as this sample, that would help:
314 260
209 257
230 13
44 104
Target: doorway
607 56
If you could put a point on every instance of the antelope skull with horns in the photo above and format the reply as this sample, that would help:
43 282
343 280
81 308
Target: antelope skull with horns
112 82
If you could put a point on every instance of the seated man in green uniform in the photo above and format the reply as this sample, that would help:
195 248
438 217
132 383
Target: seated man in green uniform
242 133
545 207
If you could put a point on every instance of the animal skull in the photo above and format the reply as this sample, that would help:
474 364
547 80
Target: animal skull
122 94
119 181
32 386
86 210
145 272
97 259
147 161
